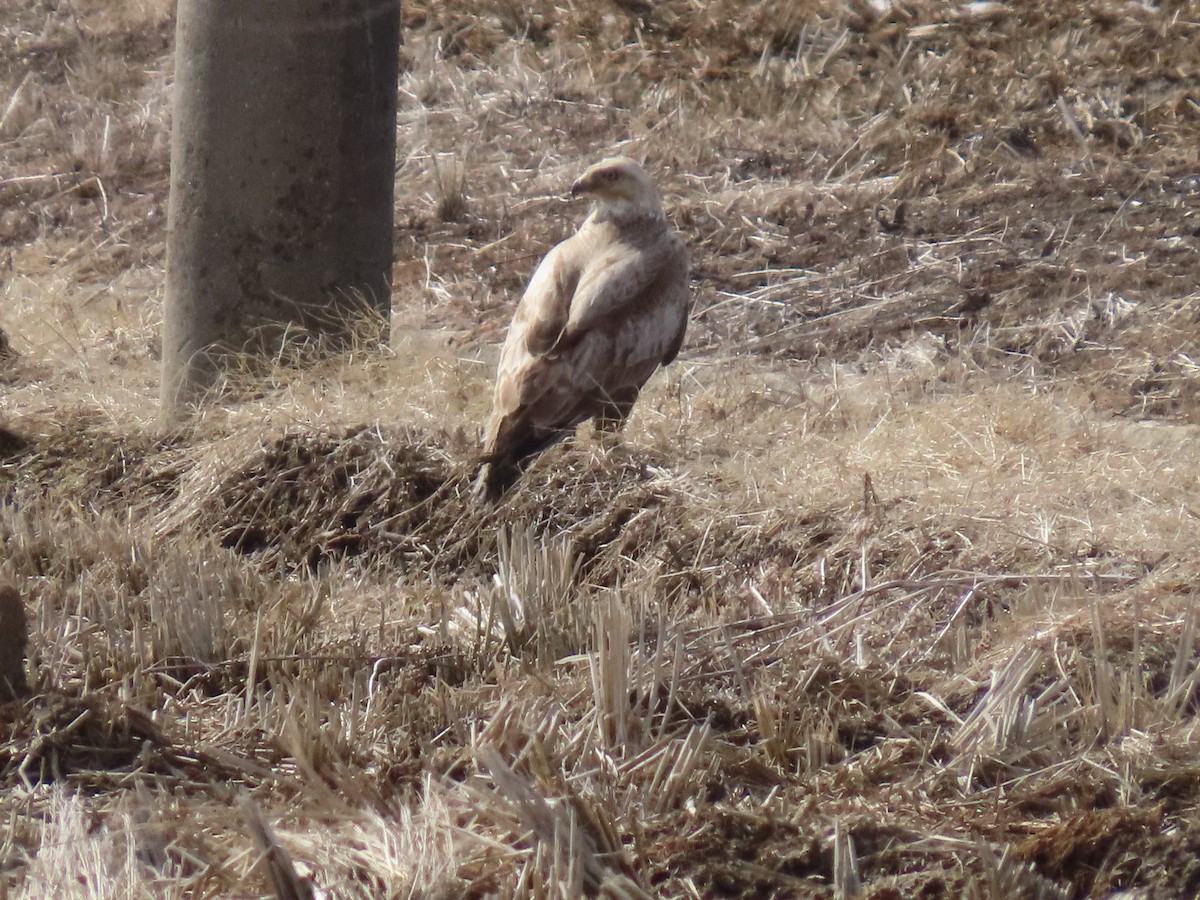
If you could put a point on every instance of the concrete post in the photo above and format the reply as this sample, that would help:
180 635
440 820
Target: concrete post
282 177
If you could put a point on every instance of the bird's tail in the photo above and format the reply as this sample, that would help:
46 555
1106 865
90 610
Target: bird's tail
503 465
494 479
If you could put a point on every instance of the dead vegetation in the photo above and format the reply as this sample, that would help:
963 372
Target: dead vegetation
888 592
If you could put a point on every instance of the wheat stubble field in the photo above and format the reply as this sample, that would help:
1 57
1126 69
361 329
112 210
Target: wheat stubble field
890 590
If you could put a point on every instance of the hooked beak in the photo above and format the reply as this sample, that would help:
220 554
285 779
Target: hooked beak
580 186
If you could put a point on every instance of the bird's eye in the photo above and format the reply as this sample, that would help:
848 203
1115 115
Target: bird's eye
608 175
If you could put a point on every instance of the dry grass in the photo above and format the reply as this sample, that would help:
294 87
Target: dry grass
888 592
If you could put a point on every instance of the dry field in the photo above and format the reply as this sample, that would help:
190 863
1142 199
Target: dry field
890 590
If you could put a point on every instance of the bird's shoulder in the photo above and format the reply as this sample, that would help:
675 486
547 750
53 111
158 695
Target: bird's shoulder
555 276
545 305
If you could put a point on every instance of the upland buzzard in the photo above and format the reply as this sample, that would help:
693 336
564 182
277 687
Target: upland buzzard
605 308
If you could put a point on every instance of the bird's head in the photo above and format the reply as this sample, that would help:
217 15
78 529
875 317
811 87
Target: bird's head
616 182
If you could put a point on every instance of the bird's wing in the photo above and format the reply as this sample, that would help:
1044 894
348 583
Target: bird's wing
619 277
544 308
678 296
521 376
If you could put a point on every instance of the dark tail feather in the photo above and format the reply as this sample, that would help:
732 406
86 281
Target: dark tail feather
501 470
495 478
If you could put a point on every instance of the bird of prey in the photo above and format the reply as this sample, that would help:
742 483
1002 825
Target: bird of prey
604 309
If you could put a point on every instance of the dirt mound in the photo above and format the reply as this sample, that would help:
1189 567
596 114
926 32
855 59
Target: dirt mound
88 466
306 498
402 498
